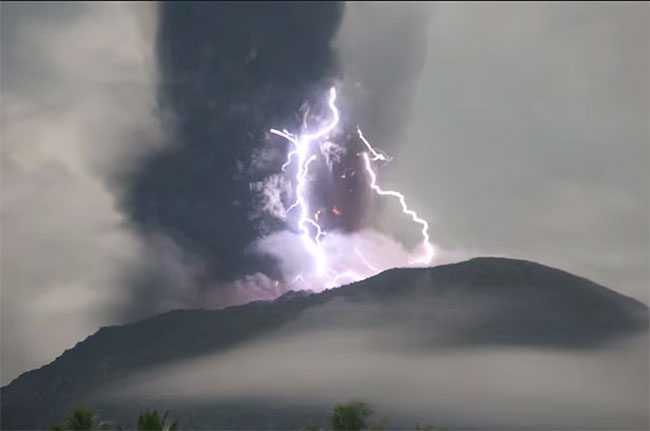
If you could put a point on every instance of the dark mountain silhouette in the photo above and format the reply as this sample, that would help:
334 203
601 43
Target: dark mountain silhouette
480 302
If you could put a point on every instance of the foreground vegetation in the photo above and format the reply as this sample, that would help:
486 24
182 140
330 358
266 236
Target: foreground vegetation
85 419
351 416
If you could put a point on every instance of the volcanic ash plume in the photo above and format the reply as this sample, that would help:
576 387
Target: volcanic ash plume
322 249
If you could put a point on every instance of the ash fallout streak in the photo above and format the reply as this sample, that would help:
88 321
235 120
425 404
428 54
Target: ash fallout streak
305 152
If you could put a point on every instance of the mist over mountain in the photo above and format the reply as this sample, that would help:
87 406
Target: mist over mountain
280 364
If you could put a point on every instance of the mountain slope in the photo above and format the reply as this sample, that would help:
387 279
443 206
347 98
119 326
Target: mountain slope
481 302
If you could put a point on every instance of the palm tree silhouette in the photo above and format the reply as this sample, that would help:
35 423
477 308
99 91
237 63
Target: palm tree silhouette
152 421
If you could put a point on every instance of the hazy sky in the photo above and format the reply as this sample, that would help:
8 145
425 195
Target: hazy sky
527 131
529 135
517 129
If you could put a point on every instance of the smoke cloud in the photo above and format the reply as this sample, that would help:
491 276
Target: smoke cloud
240 78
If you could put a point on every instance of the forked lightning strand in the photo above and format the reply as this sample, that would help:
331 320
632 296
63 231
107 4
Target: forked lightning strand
428 248
304 154
302 145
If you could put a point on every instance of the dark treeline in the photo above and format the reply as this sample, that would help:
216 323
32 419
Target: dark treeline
350 416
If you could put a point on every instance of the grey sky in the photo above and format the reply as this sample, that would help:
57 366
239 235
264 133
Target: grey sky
527 137
76 88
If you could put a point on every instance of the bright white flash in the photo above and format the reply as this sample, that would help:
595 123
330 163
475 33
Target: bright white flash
304 152
302 148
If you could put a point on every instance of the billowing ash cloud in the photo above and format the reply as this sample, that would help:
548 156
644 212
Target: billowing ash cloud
228 73
354 256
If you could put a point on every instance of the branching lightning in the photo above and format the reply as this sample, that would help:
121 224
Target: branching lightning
375 154
428 248
365 260
303 153
301 150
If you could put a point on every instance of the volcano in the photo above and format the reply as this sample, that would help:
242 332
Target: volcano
483 303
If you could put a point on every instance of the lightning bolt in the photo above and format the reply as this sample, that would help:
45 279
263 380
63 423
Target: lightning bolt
426 242
297 278
365 260
338 277
303 154
302 147
375 155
